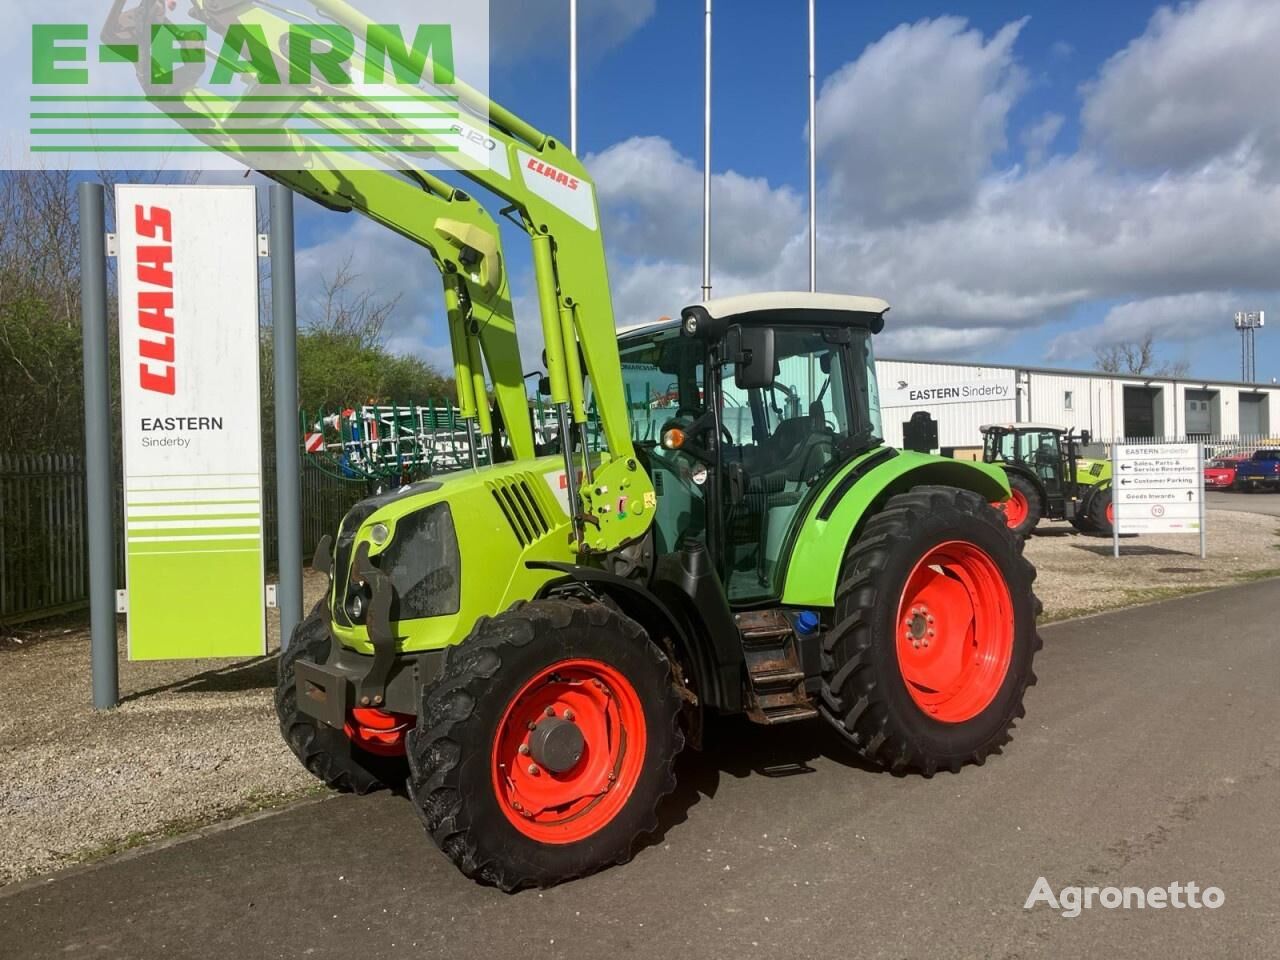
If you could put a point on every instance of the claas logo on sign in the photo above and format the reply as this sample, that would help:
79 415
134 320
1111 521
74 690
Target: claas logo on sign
157 369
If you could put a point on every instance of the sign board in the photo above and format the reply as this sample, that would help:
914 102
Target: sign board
1158 488
190 405
900 393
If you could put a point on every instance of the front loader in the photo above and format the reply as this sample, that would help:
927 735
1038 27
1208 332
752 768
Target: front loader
531 644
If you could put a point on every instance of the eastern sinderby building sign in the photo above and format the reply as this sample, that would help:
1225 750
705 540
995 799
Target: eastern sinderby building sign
999 386
190 402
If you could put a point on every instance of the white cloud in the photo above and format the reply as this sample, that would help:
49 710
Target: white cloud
1179 317
1039 137
1199 83
652 197
910 127
1009 250
990 254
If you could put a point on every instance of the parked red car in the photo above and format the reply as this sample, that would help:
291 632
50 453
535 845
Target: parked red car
1220 473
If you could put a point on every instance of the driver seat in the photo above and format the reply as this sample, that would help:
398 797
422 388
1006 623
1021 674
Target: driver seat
810 444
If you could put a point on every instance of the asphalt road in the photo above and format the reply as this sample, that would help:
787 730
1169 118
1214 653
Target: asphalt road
1265 503
1149 755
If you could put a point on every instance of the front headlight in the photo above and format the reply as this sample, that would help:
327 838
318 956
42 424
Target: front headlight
356 605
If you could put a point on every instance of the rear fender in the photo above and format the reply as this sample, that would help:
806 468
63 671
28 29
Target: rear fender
836 517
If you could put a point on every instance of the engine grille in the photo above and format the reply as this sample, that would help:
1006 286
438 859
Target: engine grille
519 503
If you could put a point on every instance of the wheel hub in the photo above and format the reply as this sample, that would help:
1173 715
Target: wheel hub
557 744
569 750
956 631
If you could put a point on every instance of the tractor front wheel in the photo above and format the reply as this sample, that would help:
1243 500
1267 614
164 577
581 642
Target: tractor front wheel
935 633
336 756
542 752
1102 512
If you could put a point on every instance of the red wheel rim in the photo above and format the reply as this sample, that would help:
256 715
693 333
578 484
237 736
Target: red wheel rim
574 803
1015 508
378 731
954 631
1111 513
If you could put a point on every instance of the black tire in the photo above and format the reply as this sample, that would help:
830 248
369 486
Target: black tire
1023 487
450 750
1081 522
864 694
1099 504
326 752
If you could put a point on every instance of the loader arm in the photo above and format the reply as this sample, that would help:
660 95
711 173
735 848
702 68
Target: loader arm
463 240
555 198
465 245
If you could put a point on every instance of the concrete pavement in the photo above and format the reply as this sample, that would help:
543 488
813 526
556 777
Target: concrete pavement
1265 503
1149 755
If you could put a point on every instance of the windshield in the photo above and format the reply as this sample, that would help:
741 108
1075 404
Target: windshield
661 380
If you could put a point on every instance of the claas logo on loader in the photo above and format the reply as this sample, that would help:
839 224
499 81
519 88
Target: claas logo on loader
551 173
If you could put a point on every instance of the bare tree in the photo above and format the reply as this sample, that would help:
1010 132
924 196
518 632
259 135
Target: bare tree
1136 358
343 310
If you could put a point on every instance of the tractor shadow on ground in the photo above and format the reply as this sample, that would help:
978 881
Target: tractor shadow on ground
256 674
739 748
1130 550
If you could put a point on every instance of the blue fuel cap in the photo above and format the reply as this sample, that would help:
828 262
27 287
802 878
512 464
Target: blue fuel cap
806 622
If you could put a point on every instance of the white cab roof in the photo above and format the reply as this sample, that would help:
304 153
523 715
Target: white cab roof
721 307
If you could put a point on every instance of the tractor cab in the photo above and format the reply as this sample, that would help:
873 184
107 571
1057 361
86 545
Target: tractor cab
1048 477
742 410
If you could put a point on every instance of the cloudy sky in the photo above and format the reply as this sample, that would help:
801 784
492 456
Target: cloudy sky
1021 181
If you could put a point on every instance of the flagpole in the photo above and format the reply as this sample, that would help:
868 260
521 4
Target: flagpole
706 160
573 77
813 161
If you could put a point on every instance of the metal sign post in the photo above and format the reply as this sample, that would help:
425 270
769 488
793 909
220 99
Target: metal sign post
99 476
1115 506
284 339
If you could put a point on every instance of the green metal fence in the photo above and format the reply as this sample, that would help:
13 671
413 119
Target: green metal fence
42 529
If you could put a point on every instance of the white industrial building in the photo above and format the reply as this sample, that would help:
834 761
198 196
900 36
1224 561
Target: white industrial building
962 397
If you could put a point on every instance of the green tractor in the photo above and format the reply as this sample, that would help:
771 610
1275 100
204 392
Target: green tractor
530 645
1048 477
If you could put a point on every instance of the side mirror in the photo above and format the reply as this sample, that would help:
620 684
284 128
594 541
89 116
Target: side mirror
1086 438
750 350
544 386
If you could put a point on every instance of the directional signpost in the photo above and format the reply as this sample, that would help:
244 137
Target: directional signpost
1158 488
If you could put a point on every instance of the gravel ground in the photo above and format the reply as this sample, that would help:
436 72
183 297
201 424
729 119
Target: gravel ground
1077 575
195 742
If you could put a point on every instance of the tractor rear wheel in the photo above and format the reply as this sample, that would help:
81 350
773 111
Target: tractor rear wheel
935 633
328 753
542 752
1023 509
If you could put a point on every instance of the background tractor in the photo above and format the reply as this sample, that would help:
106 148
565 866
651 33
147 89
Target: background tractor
529 645
1049 479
